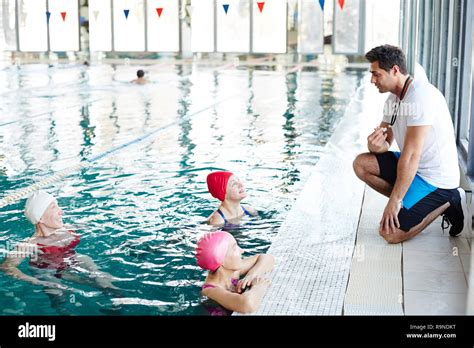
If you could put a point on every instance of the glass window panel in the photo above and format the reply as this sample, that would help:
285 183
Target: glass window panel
233 28
346 27
381 14
269 27
8 26
33 30
100 25
202 25
163 30
64 34
129 32
310 27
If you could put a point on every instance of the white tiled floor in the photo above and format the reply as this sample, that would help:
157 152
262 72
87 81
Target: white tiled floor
431 261
435 281
434 266
434 303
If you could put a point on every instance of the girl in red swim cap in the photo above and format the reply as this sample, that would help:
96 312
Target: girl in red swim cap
219 253
227 187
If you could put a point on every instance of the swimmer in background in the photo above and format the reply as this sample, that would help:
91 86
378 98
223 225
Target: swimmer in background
140 80
226 187
219 253
52 247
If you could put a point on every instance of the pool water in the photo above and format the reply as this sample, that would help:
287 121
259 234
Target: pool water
140 209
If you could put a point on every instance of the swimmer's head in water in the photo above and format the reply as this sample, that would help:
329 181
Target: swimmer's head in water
217 184
37 204
140 73
212 248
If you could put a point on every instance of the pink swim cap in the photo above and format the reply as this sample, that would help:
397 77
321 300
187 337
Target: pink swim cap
211 249
217 184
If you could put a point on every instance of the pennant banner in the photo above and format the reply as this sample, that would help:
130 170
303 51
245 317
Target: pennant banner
260 6
126 13
63 14
341 3
48 14
159 10
321 3
226 8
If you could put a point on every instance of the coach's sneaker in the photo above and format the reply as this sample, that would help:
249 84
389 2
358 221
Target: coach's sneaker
457 214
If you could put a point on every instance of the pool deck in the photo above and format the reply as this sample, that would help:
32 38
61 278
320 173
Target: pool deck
330 259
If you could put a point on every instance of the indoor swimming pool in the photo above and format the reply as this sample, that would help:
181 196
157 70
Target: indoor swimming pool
140 201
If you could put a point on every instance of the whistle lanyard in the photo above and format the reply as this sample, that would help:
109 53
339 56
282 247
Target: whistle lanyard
395 113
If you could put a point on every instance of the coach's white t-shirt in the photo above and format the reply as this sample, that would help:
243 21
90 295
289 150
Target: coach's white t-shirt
424 105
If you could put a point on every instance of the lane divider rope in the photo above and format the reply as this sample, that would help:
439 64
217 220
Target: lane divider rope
23 192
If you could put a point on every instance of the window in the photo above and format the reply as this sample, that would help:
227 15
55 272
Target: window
233 26
269 27
163 25
310 27
32 22
100 25
64 25
202 25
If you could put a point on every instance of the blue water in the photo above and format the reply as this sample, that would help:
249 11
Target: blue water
140 210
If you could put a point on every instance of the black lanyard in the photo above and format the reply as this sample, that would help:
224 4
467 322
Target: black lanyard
404 90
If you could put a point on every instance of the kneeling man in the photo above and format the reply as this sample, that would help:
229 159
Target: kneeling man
422 179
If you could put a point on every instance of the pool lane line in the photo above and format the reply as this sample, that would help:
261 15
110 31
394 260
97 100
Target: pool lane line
49 86
23 192
156 130
18 194
49 112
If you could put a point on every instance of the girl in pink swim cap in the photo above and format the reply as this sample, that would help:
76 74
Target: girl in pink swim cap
227 188
219 253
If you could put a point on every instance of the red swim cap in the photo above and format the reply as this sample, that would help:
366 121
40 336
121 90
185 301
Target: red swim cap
217 184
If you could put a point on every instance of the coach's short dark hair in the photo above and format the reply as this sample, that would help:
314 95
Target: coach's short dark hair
140 73
388 56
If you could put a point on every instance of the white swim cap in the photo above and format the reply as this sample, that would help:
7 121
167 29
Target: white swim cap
37 204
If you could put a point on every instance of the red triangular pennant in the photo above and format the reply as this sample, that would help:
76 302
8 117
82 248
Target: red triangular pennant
63 14
159 10
341 3
260 6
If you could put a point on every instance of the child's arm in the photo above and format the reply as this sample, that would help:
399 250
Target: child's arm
243 303
254 267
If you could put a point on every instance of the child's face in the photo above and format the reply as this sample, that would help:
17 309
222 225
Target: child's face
235 189
233 258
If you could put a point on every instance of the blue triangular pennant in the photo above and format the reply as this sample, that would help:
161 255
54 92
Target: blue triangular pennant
126 13
226 8
321 3
48 14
